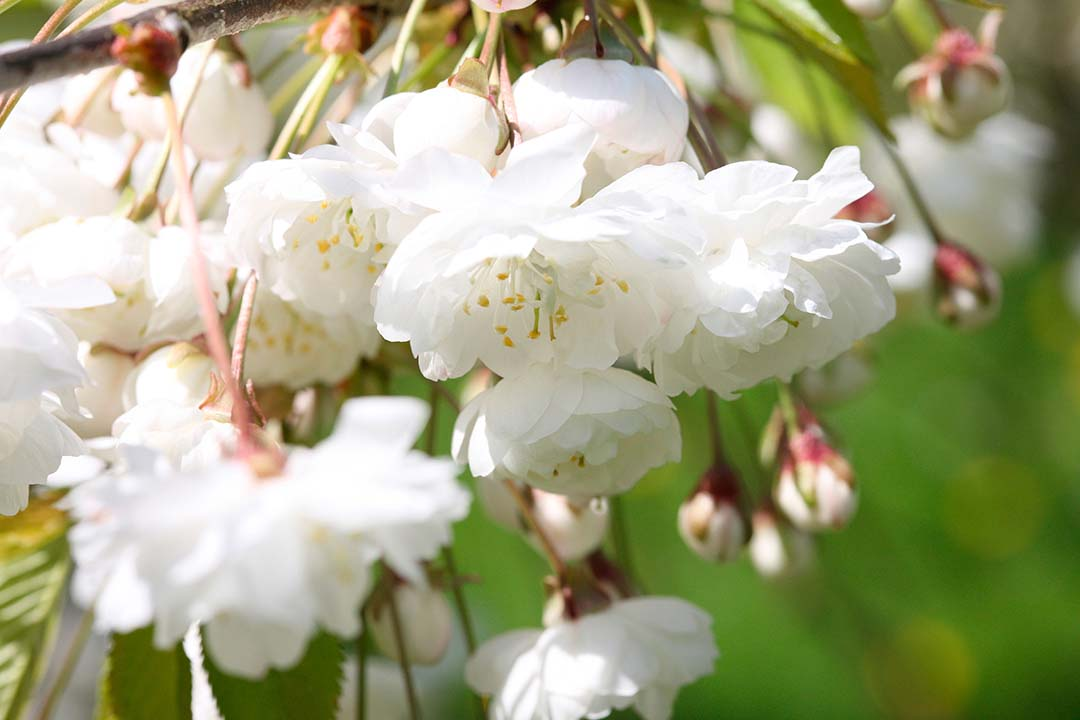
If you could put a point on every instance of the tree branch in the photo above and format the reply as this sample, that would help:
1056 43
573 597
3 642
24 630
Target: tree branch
188 22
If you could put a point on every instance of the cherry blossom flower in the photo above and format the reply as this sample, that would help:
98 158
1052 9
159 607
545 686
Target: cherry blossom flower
636 653
263 562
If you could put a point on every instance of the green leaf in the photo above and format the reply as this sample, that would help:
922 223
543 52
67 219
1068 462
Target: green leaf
827 25
813 38
143 682
33 570
309 690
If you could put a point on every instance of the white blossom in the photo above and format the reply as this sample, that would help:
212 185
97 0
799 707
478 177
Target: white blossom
228 117
453 120
291 346
781 284
574 432
505 272
263 562
101 399
38 355
637 653
151 277
636 112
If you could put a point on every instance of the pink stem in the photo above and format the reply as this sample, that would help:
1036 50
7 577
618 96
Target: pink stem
215 333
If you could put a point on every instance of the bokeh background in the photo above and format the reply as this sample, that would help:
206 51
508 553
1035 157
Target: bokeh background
955 592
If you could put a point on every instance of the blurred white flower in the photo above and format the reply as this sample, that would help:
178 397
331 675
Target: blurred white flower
503 5
101 399
781 284
263 562
425 617
85 102
228 118
38 355
291 346
636 112
636 653
778 551
40 184
573 527
150 275
580 433
984 191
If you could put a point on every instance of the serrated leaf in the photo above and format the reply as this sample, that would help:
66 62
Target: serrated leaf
309 690
33 571
143 682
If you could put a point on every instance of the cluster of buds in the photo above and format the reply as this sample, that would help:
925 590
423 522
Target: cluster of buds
967 290
961 82
711 521
815 488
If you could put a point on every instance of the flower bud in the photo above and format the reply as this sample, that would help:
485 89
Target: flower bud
710 521
870 9
816 488
776 550
575 528
178 373
150 51
967 290
457 119
101 398
425 618
960 83
871 209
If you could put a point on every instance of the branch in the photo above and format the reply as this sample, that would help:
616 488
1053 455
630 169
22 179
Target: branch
189 22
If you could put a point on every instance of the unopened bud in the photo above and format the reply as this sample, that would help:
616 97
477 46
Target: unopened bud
178 373
100 400
575 528
960 83
776 550
345 31
871 210
425 618
710 521
150 50
816 487
967 290
870 9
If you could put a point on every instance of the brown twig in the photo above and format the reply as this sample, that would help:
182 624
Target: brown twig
189 22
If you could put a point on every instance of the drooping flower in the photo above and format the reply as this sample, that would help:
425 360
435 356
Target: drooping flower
636 653
507 273
961 82
228 117
573 527
637 114
263 562
580 433
781 284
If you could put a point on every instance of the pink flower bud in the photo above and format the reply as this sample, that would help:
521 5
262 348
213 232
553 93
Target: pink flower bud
710 521
816 487
960 83
426 623
870 9
871 209
968 291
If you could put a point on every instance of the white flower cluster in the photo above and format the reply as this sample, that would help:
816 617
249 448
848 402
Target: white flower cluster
588 265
